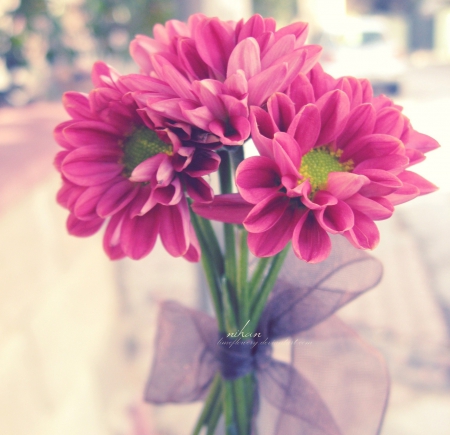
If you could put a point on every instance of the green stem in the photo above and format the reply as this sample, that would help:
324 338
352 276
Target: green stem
258 275
228 407
259 301
242 289
215 416
210 404
211 270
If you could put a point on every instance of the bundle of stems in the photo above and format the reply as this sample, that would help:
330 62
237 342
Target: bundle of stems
238 299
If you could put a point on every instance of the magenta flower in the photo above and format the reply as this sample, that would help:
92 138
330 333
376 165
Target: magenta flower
332 160
117 167
207 73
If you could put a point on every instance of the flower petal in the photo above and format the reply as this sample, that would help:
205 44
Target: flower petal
138 234
310 241
116 197
266 213
83 228
344 184
257 178
334 107
274 240
376 208
305 127
174 229
360 123
229 208
264 84
335 218
91 165
246 57
199 190
364 234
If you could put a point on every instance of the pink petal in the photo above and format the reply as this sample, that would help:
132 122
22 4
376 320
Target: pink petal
58 134
301 92
139 82
264 84
229 208
310 241
335 218
199 190
174 229
215 42
138 234
414 156
266 213
82 228
404 194
177 81
305 127
372 146
139 53
281 109
116 198
394 163
422 142
334 108
91 165
245 57
236 85
345 184
257 178
203 163
375 208
298 29
191 60
208 93
287 153
263 130
111 239
360 123
68 194
390 121
88 133
382 183
168 195
274 240
77 105
281 47
253 27
421 183
364 234
86 204
193 254
201 117
146 171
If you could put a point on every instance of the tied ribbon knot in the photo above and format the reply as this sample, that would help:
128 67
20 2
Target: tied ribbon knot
330 382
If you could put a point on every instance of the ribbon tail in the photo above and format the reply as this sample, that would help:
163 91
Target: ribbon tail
289 404
350 375
184 363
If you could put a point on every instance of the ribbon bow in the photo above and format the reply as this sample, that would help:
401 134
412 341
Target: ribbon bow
331 383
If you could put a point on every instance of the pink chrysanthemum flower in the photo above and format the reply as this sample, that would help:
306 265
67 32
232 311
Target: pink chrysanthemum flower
207 72
117 167
332 160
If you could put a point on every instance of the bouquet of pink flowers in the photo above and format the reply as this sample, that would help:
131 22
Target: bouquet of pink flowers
137 157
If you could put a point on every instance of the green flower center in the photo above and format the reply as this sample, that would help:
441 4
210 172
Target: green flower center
318 163
141 145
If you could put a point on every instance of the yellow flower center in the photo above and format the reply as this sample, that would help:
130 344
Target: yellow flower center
318 163
141 145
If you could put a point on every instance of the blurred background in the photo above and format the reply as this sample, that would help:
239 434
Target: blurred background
76 330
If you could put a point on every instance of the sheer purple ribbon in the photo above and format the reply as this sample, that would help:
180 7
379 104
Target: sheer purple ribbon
333 383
